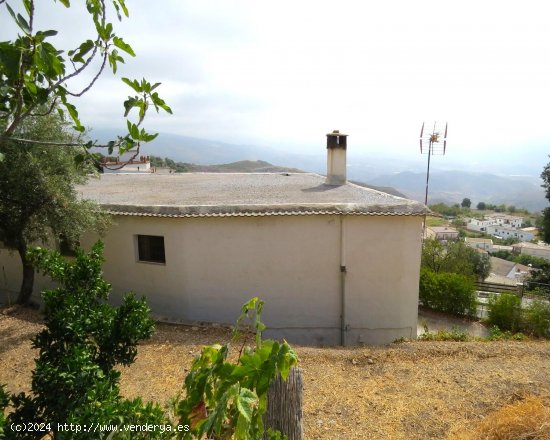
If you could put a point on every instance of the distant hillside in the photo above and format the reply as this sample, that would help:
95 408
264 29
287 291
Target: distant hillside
242 166
384 189
453 186
197 151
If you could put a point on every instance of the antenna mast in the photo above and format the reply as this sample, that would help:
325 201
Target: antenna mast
433 140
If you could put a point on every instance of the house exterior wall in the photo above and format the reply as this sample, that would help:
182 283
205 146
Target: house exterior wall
214 265
140 167
486 246
506 220
542 252
478 225
11 276
492 221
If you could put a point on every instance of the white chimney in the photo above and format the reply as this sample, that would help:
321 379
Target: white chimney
336 158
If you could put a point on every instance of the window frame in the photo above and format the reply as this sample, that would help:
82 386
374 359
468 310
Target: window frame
138 249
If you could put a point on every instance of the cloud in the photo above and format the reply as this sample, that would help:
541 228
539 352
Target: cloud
287 72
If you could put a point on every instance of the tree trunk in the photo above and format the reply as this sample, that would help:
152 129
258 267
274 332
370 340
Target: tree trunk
28 276
284 405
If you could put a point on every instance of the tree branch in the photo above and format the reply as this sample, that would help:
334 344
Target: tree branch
52 106
123 164
89 86
86 64
53 143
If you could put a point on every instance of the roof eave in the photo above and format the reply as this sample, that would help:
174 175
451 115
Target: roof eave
407 209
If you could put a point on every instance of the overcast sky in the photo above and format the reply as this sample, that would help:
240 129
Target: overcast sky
285 73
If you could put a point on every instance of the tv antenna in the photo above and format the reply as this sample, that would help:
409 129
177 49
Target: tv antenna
433 140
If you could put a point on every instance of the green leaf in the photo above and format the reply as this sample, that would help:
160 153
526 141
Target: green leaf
19 20
112 61
1 157
117 8
159 102
119 42
123 6
133 130
150 137
27 4
65 3
241 430
23 24
83 49
133 84
246 401
46 58
10 10
49 33
73 114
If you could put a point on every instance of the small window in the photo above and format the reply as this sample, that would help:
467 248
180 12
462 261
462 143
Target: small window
151 248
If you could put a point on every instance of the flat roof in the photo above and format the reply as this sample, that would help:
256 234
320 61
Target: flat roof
478 240
504 216
500 266
527 244
238 194
443 229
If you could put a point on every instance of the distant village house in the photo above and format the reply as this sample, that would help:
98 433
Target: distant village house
442 233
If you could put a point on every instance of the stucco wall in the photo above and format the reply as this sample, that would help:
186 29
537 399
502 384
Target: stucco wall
383 264
213 265
11 274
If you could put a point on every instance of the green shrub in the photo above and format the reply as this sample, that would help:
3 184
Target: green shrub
455 334
4 401
496 334
84 339
536 318
448 292
505 312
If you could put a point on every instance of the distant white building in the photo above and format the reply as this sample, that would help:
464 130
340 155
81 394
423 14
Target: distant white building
485 244
501 226
128 162
474 224
500 247
442 233
505 220
535 250
507 269
509 232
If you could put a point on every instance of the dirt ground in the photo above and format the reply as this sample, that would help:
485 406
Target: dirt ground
410 390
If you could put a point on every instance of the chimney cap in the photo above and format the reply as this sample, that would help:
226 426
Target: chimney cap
336 133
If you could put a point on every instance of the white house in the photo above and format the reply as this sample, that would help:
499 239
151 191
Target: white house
485 244
129 162
474 224
509 232
505 220
535 250
442 233
336 263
